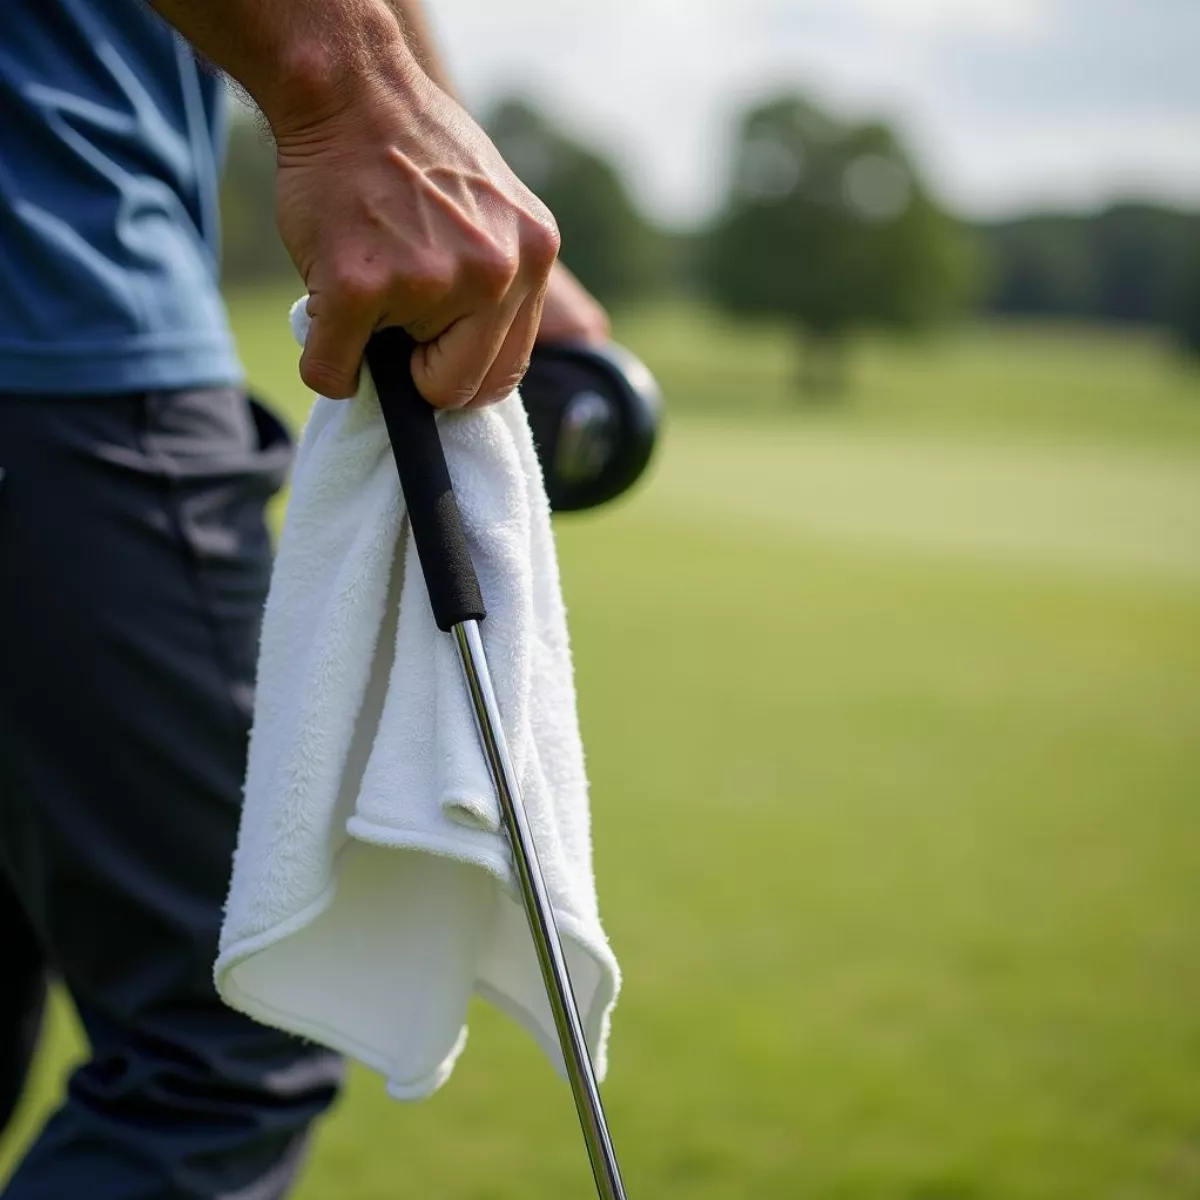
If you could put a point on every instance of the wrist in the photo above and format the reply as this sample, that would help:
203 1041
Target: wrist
320 71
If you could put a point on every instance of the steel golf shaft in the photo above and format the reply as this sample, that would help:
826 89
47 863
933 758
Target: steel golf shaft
457 603
541 920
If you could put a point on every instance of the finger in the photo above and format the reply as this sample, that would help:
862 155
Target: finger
571 313
512 361
448 371
333 350
587 325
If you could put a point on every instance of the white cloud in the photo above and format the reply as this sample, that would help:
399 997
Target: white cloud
1010 19
1006 101
1076 163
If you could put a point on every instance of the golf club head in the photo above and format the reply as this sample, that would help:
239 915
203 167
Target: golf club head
595 413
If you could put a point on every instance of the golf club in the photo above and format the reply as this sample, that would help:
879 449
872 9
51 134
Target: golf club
457 603
594 412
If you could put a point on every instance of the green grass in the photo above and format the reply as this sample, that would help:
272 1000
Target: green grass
1063 382
893 718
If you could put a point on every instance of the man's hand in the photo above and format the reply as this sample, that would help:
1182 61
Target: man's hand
393 203
571 313
398 210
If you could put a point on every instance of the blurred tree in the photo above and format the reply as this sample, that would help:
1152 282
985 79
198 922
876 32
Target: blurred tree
1187 307
251 248
829 226
606 240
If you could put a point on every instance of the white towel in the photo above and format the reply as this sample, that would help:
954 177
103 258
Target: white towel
372 890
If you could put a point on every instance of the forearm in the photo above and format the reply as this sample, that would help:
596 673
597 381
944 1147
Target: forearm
299 59
394 205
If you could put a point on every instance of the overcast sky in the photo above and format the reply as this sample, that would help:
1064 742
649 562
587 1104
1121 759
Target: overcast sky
1007 102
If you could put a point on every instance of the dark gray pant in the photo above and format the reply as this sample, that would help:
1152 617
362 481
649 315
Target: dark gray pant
133 567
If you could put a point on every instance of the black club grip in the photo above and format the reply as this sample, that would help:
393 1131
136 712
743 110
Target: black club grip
429 496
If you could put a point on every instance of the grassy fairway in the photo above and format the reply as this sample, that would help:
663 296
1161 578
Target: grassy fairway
893 718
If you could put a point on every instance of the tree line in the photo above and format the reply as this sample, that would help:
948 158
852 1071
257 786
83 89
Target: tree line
826 224
1128 263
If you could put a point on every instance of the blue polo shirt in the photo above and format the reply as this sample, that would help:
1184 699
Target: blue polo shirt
111 136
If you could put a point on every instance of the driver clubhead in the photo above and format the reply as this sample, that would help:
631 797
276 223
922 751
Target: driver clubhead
595 413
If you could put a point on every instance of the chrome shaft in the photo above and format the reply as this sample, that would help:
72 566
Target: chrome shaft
541 919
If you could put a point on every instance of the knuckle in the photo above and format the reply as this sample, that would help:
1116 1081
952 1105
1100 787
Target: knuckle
497 268
354 288
428 278
542 243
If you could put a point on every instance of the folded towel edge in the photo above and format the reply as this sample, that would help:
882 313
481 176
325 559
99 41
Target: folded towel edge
593 943
400 837
289 1022
595 1019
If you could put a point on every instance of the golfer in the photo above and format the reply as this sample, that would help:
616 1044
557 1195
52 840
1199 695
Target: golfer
134 558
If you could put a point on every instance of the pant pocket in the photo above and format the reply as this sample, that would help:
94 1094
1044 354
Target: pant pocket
222 456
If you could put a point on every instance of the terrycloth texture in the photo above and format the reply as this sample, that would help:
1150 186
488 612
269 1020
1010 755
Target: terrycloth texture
372 890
